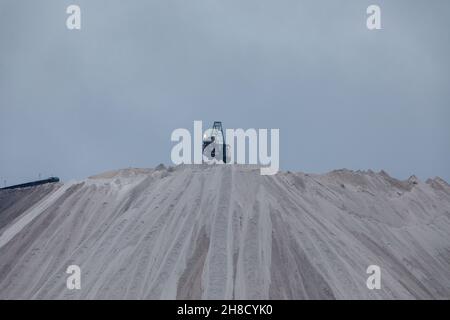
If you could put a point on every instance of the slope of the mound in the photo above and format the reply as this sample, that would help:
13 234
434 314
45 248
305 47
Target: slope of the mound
228 232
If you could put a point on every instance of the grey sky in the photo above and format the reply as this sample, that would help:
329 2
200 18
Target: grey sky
76 103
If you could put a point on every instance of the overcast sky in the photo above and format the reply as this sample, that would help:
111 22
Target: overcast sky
77 103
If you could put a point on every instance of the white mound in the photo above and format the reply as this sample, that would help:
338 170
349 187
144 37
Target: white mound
226 232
